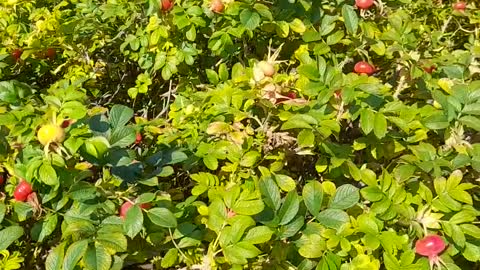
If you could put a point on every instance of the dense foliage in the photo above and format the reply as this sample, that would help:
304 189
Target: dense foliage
239 134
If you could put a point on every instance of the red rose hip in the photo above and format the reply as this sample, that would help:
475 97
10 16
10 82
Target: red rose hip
292 95
145 206
66 123
217 6
429 69
363 67
460 6
51 53
16 54
167 5
138 138
124 209
22 191
127 205
430 246
363 4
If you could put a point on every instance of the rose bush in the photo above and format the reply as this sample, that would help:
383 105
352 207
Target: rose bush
239 134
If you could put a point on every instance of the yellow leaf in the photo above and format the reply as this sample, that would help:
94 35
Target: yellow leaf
298 26
446 85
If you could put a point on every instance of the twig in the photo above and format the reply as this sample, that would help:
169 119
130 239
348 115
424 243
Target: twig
169 94
341 110
445 25
119 86
400 87
176 246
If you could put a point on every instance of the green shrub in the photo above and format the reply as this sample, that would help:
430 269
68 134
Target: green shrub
242 136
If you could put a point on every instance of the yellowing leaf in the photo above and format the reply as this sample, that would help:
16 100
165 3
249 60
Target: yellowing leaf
446 85
297 26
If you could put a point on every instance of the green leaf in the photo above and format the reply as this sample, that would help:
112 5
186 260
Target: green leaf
250 19
328 24
461 196
239 225
350 18
282 28
463 216
223 72
122 137
115 241
210 162
212 76
367 224
191 33
217 214
335 37
436 121
449 202
248 208
240 252
74 253
117 263
333 218
181 21
9 235
55 258
380 125
368 177
458 235
345 197
373 193
378 48
263 10
48 226
299 121
285 182
133 221
471 230
48 175
132 92
453 180
313 196
472 252
354 171
78 228
306 138
162 217
250 158
74 110
270 193
312 246
291 228
96 146
366 122
170 258
289 208
310 71
258 235
473 108
3 209
97 258
471 121
120 115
